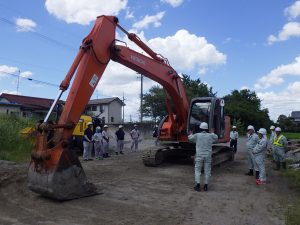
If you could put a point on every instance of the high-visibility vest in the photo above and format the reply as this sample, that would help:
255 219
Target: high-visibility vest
276 141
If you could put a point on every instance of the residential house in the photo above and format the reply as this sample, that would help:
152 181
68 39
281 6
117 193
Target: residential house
109 110
25 106
295 117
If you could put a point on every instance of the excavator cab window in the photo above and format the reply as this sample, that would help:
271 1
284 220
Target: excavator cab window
209 110
199 112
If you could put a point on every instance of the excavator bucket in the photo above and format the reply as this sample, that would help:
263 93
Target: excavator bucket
57 173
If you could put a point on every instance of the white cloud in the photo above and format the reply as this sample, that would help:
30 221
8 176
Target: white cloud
25 25
84 11
283 102
6 70
291 29
192 52
275 77
244 88
202 71
26 74
118 80
187 51
147 20
173 3
9 92
293 11
129 14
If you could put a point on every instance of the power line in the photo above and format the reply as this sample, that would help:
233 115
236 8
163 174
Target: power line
30 64
30 79
40 35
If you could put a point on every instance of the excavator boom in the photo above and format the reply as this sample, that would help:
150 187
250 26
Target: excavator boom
55 170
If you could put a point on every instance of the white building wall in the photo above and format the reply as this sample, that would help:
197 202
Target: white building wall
10 110
115 111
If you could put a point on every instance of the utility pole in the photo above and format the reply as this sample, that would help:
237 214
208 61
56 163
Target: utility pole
123 106
141 96
18 82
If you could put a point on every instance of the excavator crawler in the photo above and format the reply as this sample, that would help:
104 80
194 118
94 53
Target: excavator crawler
56 172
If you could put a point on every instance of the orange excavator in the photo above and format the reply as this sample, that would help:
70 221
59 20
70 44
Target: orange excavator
56 172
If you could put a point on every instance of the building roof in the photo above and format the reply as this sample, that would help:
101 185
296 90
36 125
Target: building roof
295 114
104 101
28 102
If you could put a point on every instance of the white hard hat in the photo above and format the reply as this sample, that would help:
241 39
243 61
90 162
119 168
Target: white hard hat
105 126
262 131
278 129
250 127
98 128
204 126
272 127
120 126
89 123
233 127
135 125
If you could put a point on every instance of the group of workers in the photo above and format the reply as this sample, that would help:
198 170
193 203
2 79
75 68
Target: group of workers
257 145
100 141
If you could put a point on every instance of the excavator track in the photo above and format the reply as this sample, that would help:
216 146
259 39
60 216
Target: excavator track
154 156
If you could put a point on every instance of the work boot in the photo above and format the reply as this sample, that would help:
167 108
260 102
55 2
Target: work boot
121 153
250 173
197 187
107 155
283 164
256 174
277 166
117 153
205 188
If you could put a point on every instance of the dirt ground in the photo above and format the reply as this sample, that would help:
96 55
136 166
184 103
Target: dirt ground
131 193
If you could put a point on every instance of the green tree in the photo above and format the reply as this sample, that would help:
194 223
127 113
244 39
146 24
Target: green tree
245 106
154 104
195 88
285 123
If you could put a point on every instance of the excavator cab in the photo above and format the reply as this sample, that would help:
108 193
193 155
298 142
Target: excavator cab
209 110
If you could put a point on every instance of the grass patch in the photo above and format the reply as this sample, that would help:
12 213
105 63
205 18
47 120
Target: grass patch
292 135
12 146
293 210
293 214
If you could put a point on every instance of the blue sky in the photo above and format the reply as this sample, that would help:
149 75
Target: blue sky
232 44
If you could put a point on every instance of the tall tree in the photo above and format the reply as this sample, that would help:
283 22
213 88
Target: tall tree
154 104
244 105
195 88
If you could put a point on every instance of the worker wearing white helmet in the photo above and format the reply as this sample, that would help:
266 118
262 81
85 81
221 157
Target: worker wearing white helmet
97 138
234 135
279 146
204 141
120 134
105 141
135 134
270 143
259 156
252 140
88 142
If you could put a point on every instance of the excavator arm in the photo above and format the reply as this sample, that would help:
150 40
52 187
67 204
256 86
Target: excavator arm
55 170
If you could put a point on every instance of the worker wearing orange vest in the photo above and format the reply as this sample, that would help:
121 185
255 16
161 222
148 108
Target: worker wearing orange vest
279 146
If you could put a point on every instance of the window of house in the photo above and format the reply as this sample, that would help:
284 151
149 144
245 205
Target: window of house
112 119
101 108
94 108
88 108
